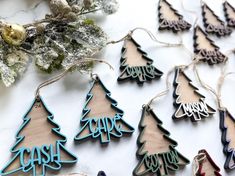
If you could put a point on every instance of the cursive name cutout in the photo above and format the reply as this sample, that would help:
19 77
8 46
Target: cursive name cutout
176 25
141 73
38 158
195 110
212 56
220 30
162 163
103 128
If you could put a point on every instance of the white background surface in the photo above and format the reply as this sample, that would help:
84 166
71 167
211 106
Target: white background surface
67 97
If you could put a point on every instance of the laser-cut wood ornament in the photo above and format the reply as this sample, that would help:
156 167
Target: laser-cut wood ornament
207 167
189 102
227 126
206 49
229 12
101 118
170 19
135 64
156 150
39 145
213 24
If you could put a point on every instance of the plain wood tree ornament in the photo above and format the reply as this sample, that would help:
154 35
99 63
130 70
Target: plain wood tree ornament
170 19
229 12
205 48
227 126
39 145
135 64
213 24
101 117
189 102
207 167
156 150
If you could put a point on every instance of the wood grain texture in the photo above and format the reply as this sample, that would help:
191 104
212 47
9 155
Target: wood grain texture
99 105
135 64
189 102
38 133
156 150
205 48
170 19
229 12
167 12
202 40
213 24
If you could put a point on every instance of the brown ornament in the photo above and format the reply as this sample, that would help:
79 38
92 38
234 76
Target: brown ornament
170 19
229 11
213 24
205 48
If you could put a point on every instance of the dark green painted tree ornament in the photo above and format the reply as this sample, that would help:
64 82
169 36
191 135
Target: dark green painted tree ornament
135 64
156 152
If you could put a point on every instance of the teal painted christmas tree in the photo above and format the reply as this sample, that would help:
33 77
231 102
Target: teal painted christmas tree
39 145
101 117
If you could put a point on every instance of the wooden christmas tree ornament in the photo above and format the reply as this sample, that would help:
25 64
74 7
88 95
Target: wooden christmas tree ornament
135 64
39 145
227 126
170 19
101 117
229 12
156 150
205 49
207 166
189 102
213 24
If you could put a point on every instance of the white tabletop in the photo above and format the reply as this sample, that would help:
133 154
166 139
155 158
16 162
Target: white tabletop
66 98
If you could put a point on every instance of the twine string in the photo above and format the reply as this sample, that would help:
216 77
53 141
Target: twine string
61 75
195 60
151 35
168 86
202 2
206 86
194 13
182 67
216 92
